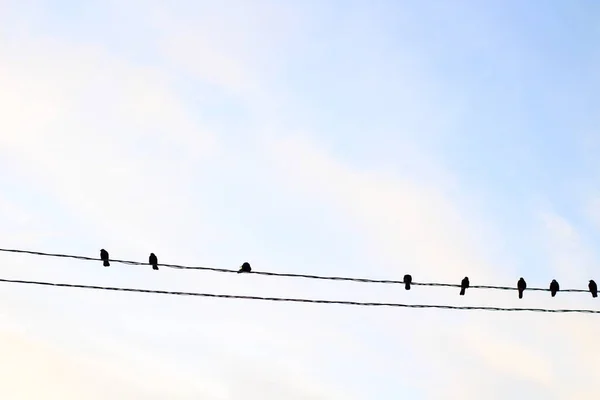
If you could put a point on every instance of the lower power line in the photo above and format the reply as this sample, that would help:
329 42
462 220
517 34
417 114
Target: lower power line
280 299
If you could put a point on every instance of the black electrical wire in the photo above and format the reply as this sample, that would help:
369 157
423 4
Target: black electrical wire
296 300
289 275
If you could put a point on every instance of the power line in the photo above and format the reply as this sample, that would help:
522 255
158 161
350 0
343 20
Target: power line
288 275
294 300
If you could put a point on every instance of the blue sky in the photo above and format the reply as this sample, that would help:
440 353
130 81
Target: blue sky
440 139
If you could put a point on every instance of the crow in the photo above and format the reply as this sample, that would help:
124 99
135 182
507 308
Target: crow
554 287
104 257
593 288
407 281
152 260
521 286
245 268
464 285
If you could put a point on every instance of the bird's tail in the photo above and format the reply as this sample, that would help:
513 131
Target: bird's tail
462 291
407 286
106 263
553 294
520 294
155 267
240 271
594 294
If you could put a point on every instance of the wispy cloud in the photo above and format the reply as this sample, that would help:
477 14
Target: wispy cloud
217 134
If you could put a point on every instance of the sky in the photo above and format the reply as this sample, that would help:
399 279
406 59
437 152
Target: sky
364 139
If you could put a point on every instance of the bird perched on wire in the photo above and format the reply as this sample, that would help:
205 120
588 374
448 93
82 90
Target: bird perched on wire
245 268
153 260
104 257
407 281
521 286
554 287
464 285
593 288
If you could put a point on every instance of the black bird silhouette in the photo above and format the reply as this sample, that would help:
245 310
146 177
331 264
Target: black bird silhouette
593 288
104 257
152 260
464 285
521 286
407 281
554 287
245 268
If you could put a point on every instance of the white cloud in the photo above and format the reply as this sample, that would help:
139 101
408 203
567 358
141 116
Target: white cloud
405 219
412 221
108 145
571 256
112 146
93 130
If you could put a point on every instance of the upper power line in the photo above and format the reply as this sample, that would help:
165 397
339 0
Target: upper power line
296 300
407 281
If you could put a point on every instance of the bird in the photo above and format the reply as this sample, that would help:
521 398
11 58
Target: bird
554 287
464 285
407 281
521 286
245 268
104 257
593 288
152 260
